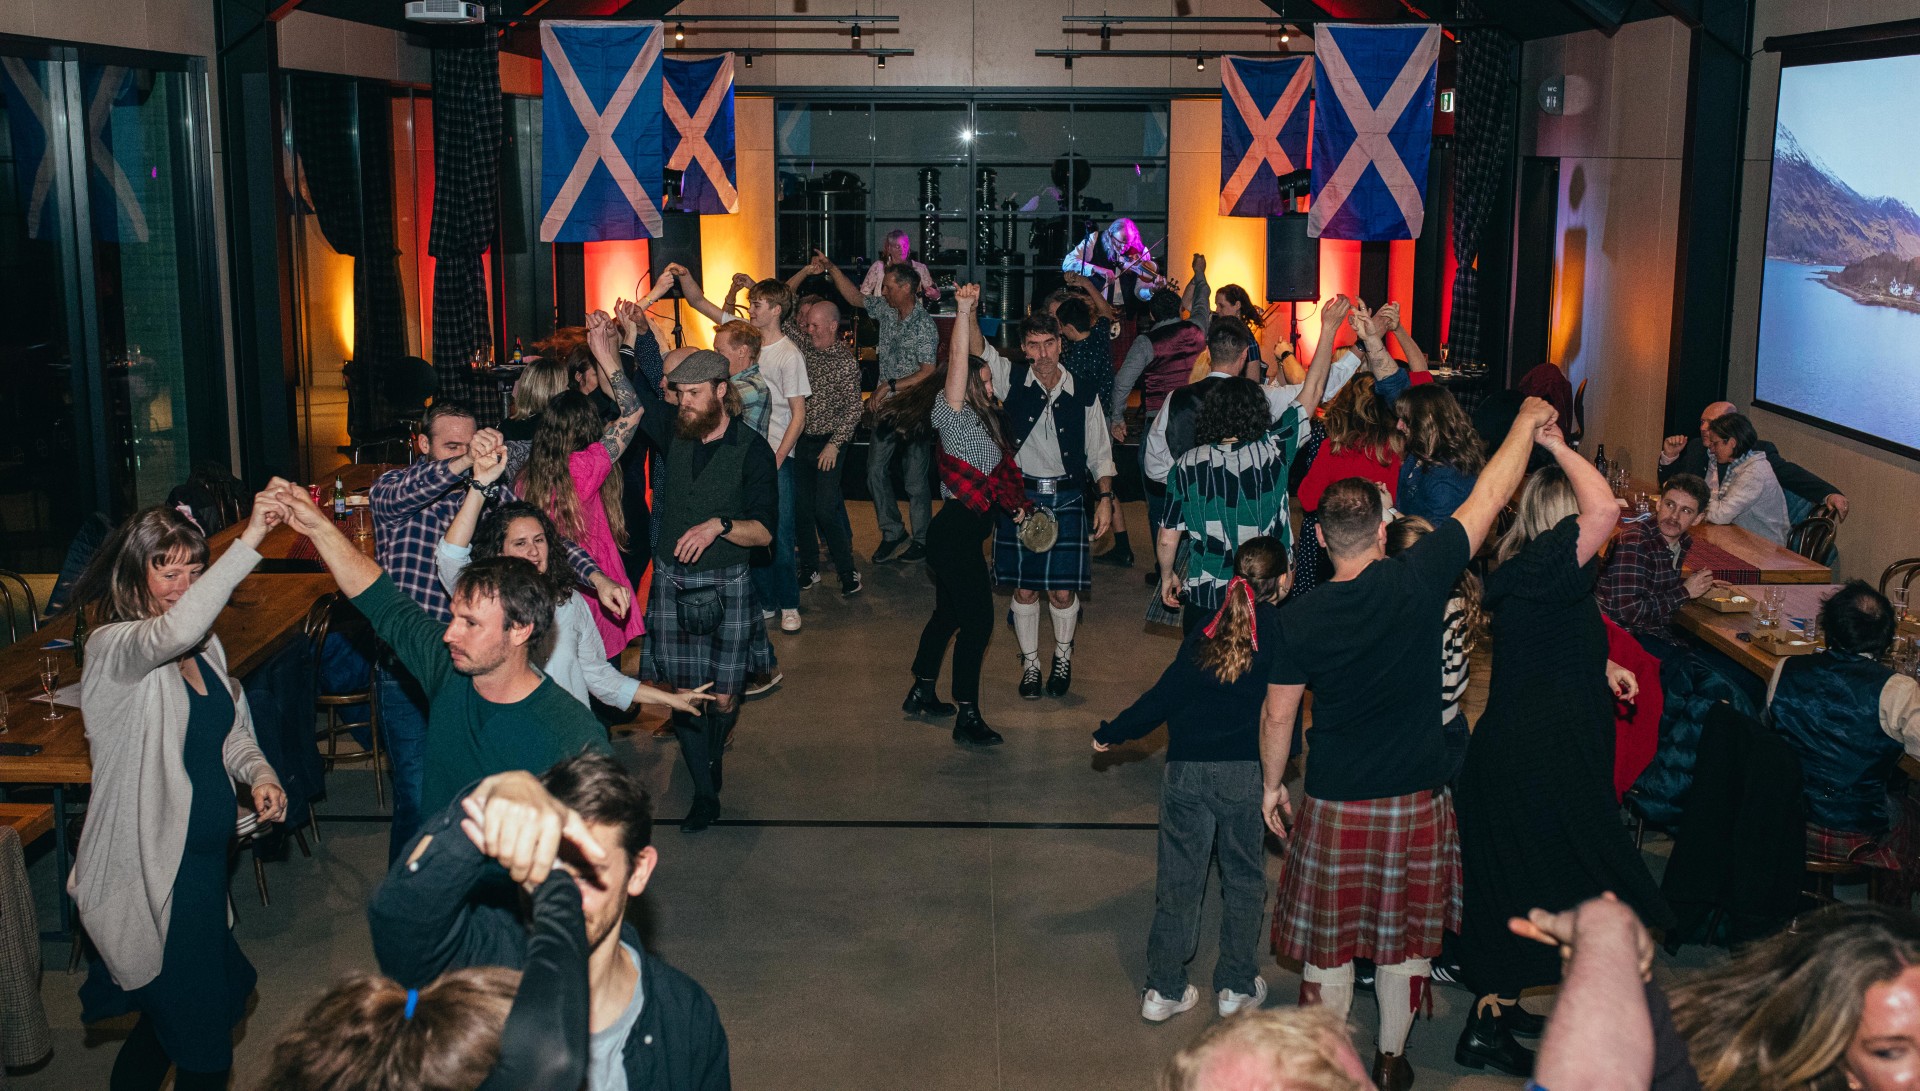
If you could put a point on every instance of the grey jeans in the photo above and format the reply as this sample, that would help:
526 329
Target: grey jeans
1208 808
918 465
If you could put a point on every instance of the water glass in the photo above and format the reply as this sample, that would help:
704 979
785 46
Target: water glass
1643 506
1617 477
1898 597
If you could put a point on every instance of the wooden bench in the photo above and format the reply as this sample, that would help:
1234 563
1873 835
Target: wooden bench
31 820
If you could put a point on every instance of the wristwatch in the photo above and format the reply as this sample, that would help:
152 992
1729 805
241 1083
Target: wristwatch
726 526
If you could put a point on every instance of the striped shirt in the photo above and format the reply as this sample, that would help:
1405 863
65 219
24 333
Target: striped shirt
963 436
1224 494
1453 660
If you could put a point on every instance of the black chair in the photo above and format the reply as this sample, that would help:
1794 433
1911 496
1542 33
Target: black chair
1813 538
1579 415
1903 571
8 576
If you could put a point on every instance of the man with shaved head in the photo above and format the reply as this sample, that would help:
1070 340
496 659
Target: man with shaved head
1805 490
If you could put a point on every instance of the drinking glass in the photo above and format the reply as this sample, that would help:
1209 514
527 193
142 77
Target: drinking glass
1643 506
4 725
50 681
1617 477
1898 597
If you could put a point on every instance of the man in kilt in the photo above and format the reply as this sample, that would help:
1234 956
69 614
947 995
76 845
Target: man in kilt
1373 863
715 501
1060 441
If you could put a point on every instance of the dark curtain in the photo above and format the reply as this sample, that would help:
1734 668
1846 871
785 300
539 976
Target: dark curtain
346 156
1483 130
467 133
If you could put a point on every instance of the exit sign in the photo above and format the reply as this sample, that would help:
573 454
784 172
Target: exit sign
1446 102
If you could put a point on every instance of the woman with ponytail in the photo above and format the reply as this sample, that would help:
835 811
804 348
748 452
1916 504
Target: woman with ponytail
1210 698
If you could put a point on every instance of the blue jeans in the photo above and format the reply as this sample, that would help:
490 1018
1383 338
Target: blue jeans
1208 807
776 585
403 723
916 470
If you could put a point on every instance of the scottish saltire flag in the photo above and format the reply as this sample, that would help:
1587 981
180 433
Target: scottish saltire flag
698 96
603 158
1373 97
1264 106
112 193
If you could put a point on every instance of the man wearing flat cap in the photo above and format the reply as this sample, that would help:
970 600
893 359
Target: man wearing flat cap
715 502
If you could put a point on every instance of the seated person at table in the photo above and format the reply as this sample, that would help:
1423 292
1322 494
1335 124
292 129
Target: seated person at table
1642 584
1849 718
1805 490
1745 491
651 1026
488 708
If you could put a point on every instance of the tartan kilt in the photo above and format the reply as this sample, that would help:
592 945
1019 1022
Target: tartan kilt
1887 852
1065 567
683 660
1373 878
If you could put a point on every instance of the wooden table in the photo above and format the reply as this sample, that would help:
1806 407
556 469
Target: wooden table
281 542
1722 631
1774 563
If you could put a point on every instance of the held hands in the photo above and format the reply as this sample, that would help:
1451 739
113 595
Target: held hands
301 512
1535 414
614 598
1199 265
1363 324
268 512
1277 811
1622 682
485 442
820 264
1333 312
741 282
512 818
1550 438
1075 280
1387 318
270 802
1672 447
487 469
695 541
967 297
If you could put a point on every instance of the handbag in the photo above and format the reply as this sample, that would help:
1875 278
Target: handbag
698 609
1038 531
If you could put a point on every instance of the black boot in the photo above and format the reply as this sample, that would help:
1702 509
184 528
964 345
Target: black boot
1524 1023
1030 682
1486 1042
1062 676
970 730
697 749
720 730
922 700
1121 554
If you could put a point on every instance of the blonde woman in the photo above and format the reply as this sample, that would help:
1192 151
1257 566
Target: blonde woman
543 380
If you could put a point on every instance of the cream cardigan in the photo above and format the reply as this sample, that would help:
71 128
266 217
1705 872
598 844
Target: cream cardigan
136 711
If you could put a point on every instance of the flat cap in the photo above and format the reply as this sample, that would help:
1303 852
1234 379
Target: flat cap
701 366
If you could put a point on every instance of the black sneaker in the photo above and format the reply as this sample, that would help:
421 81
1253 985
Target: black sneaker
1030 682
850 585
1062 675
915 552
887 549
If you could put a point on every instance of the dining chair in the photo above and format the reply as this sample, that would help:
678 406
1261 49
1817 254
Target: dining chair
1903 570
324 619
1813 538
8 576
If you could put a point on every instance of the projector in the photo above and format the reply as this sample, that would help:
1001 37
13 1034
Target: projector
446 12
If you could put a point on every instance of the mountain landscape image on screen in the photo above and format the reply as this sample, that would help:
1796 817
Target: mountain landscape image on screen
1818 219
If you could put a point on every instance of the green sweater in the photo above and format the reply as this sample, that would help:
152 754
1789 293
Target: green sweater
468 736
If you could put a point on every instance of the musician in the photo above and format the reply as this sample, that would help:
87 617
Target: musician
1117 261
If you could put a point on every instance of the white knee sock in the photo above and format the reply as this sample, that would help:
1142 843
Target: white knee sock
1336 987
1064 620
1400 988
1026 630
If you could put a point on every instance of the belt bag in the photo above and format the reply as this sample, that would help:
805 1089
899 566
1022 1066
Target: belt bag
698 609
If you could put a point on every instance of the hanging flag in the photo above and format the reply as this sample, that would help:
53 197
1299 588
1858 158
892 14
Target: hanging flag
111 192
698 96
1373 95
1263 131
602 160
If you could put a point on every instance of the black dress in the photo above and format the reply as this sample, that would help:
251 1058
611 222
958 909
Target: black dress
204 981
1538 822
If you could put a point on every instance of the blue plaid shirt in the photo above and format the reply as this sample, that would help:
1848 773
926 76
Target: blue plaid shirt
412 509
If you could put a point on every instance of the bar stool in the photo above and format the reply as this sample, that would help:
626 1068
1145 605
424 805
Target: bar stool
322 620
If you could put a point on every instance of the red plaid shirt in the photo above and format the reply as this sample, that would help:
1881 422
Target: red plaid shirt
980 492
1643 585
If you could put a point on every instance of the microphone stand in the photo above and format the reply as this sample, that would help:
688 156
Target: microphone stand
679 333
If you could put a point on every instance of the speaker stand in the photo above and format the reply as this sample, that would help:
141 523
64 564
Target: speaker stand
680 333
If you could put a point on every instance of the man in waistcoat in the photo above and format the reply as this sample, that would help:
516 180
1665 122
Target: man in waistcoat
1161 361
716 501
1059 435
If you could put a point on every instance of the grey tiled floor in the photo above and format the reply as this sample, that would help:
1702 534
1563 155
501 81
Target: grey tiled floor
847 951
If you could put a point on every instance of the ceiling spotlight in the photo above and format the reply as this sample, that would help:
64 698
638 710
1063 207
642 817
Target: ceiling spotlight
856 35
881 61
679 33
1069 64
1106 35
749 60
1199 63
1284 36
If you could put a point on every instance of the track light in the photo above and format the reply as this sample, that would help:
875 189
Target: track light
881 61
1106 35
1284 36
679 33
749 60
856 35
1199 63
1069 64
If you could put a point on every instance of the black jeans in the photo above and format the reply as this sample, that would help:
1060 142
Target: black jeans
819 507
962 598
1208 810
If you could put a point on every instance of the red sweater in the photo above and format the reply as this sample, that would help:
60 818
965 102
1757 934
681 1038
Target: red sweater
1330 466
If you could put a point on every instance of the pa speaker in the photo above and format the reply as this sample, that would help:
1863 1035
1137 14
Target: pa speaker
679 241
1293 261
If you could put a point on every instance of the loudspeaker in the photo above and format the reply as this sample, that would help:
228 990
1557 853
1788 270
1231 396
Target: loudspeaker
1293 261
679 241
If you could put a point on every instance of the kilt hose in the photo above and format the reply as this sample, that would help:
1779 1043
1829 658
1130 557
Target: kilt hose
1372 878
1065 567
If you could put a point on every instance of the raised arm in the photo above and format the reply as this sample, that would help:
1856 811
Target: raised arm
965 298
848 290
1332 314
741 282
1601 1037
1599 512
1388 319
353 570
1372 349
1084 289
1502 474
1197 299
619 431
697 299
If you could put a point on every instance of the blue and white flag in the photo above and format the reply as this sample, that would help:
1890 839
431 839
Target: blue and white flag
112 192
603 160
1373 95
698 96
1264 106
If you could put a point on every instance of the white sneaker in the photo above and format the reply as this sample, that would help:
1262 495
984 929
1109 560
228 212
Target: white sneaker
1158 1009
768 615
1232 1003
789 621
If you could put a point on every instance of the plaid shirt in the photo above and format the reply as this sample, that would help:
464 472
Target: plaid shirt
412 509
982 492
1642 585
906 344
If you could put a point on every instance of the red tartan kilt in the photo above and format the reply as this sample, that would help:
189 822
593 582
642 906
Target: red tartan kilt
1375 878
1885 853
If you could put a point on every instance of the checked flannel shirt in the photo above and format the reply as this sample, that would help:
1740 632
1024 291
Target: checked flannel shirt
982 492
412 509
1642 585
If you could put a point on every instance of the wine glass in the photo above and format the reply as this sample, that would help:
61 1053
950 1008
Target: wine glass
50 681
1898 597
1617 477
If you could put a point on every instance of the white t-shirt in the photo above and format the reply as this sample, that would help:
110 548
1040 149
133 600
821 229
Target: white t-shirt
785 369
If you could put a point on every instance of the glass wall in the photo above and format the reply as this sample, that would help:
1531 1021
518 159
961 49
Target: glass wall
112 386
986 189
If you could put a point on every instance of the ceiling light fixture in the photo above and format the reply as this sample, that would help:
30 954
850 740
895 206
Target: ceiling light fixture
749 60
856 35
679 33
1106 35
880 61
1199 63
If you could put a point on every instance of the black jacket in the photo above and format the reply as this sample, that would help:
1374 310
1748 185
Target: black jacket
454 907
1794 478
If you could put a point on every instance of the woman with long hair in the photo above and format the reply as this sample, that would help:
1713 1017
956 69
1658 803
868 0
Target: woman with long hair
576 659
977 475
1539 824
1466 626
897 249
170 732
569 475
1232 301
1444 455
1824 1006
1210 698
542 381
1355 438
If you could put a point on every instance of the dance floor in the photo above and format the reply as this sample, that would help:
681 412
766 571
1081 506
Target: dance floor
879 910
